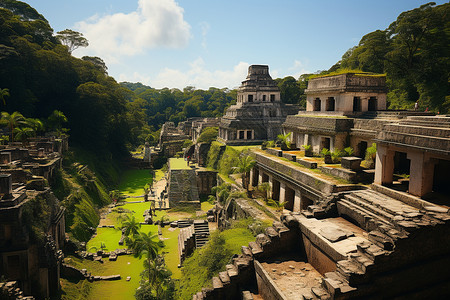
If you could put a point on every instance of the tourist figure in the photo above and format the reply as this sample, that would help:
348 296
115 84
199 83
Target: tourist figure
416 105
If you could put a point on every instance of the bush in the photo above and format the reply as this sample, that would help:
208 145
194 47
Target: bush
325 152
208 135
349 151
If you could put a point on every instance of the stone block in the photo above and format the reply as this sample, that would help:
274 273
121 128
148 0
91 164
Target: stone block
275 152
351 163
291 157
307 163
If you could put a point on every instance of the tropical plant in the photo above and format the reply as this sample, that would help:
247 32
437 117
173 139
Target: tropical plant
222 192
102 247
245 164
159 284
285 140
145 245
325 152
279 206
35 124
130 226
12 121
56 120
336 155
22 134
114 195
265 189
349 151
4 93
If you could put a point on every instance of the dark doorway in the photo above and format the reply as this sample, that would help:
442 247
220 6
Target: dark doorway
265 177
325 143
372 104
249 134
356 104
276 190
330 104
317 104
250 98
241 134
441 180
255 177
401 163
305 202
289 198
362 147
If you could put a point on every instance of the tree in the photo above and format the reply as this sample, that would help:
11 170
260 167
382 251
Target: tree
97 62
11 121
56 120
208 135
130 226
35 124
72 39
4 93
114 195
290 90
22 134
245 164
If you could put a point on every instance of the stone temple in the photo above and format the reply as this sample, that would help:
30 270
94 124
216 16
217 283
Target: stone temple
258 114
348 230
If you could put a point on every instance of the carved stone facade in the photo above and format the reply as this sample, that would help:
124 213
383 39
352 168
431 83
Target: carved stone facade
258 114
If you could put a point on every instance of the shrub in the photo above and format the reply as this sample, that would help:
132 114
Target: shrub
325 152
336 155
349 151
208 135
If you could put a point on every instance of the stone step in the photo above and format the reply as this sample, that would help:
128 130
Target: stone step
350 270
367 219
362 202
336 284
383 241
232 270
372 251
365 262
320 293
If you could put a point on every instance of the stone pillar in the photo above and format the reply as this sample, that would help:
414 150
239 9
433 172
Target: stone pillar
5 158
297 200
252 176
282 192
384 165
364 103
421 173
5 186
260 177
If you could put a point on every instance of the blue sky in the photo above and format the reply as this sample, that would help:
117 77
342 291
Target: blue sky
203 43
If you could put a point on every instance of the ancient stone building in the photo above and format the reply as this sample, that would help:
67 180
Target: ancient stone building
32 224
171 140
339 239
258 114
198 126
182 184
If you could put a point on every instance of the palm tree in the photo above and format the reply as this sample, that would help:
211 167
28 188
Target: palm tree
56 120
279 206
4 93
222 191
11 121
265 189
35 124
130 226
285 141
245 164
22 134
158 274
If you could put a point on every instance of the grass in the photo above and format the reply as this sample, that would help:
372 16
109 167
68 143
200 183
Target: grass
242 148
133 181
170 250
205 206
178 164
119 289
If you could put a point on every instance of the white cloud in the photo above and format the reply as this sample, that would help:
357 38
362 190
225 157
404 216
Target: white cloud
197 76
298 69
205 29
155 24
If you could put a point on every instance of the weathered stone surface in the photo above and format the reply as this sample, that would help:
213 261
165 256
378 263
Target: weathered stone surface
217 283
224 277
246 295
262 240
334 234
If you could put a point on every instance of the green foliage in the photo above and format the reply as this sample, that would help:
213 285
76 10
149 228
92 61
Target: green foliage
336 155
325 152
285 140
208 135
37 212
206 262
349 151
279 206
265 189
212 159
371 151
414 53
306 147
187 143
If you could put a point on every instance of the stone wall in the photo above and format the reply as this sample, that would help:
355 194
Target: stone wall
183 188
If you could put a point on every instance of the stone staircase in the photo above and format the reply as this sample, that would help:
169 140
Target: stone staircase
184 223
201 230
184 237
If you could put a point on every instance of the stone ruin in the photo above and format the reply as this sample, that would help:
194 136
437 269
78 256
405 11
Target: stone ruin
258 114
339 239
31 261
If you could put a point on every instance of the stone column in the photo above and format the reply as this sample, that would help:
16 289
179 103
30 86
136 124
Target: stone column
421 173
364 103
384 165
297 200
282 192
260 177
252 176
